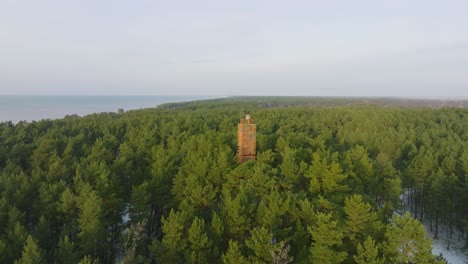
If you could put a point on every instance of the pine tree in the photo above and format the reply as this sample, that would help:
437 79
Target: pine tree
326 178
300 243
216 232
68 211
199 243
386 184
90 221
407 241
362 169
289 167
235 214
16 235
174 243
4 254
233 254
261 243
368 253
272 208
32 254
360 221
327 238
66 251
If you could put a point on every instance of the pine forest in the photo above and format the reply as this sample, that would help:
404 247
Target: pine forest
334 181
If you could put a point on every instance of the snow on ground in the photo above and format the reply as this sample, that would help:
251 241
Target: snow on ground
126 214
456 254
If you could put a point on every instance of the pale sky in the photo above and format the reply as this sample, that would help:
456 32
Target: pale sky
216 48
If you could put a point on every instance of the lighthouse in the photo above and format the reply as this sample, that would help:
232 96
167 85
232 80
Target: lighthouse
246 140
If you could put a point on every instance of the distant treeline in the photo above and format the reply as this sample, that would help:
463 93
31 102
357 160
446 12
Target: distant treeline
163 185
292 101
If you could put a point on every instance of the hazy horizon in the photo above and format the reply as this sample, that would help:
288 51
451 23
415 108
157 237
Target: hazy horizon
219 48
240 95
17 108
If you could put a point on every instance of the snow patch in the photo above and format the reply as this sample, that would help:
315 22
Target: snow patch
126 214
456 254
453 256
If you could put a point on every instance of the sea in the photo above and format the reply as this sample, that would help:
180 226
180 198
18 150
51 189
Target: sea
16 108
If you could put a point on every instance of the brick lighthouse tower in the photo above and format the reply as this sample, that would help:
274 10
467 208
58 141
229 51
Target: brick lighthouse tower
246 142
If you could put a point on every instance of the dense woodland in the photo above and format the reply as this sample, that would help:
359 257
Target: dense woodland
163 185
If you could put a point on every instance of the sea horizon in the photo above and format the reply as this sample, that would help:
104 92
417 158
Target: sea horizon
16 108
